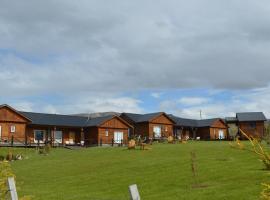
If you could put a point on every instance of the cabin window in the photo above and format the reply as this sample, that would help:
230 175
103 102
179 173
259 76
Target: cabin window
157 131
252 124
39 135
12 129
106 133
166 128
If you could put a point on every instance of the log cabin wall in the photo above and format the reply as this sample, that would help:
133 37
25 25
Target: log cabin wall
12 124
142 129
91 135
106 130
214 133
255 129
106 135
166 129
203 133
217 126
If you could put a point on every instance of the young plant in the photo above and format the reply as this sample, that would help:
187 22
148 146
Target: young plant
237 144
193 163
265 195
259 150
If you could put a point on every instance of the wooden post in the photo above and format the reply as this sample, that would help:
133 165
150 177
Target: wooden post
12 188
134 193
112 142
12 140
82 142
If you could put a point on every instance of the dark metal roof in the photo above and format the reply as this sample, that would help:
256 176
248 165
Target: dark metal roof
66 120
98 120
193 122
250 116
137 118
183 121
206 122
230 119
55 119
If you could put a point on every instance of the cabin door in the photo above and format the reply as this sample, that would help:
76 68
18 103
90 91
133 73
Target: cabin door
71 137
221 134
0 132
118 137
58 137
157 131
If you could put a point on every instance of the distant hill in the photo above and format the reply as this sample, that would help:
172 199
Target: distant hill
98 114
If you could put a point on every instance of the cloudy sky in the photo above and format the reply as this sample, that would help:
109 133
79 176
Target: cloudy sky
177 56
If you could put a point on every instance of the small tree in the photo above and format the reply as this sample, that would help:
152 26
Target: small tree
233 131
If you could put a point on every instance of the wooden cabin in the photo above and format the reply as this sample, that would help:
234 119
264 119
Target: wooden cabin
212 129
107 130
12 124
28 128
252 123
207 129
152 125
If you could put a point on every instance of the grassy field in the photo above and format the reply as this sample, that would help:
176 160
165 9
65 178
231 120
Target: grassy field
161 173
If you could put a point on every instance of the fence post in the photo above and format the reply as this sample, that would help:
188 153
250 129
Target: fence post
12 140
100 142
134 193
112 142
121 142
12 188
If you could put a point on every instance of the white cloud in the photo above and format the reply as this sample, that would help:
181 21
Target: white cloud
84 105
191 101
156 94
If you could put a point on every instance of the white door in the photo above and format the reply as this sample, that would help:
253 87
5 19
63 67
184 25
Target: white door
118 137
58 137
221 134
157 131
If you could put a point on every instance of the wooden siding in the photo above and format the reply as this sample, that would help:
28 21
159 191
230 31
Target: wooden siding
251 130
114 123
19 135
8 115
9 118
162 119
166 129
142 129
108 139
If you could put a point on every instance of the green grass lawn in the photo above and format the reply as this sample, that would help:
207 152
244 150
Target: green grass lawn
161 173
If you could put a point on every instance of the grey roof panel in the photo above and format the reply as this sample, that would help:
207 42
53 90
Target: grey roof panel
193 122
183 121
206 122
137 118
251 116
54 119
98 120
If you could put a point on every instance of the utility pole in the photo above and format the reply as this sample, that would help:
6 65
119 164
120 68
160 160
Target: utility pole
200 114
